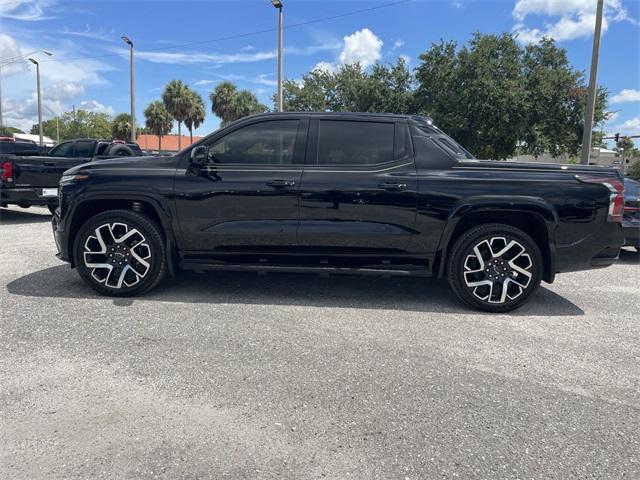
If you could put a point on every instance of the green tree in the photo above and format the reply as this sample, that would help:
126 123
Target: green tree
625 145
476 93
9 131
634 170
78 124
385 88
121 127
176 101
229 104
195 113
158 120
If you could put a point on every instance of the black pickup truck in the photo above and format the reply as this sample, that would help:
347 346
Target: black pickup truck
28 179
338 194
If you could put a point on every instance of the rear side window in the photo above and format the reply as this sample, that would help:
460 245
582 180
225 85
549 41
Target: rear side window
343 142
631 187
63 150
83 149
25 148
7 147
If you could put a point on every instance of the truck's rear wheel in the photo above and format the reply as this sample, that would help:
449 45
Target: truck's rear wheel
495 267
120 253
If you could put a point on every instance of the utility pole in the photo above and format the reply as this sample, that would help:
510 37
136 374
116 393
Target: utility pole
591 94
132 87
278 5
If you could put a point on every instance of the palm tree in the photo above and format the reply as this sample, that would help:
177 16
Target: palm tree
195 113
158 120
176 101
121 127
229 104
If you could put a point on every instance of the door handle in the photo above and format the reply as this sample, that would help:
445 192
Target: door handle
49 164
281 183
392 186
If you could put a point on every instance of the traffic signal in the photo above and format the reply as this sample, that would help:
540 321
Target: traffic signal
616 137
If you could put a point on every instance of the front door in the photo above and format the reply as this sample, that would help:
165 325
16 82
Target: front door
359 187
246 196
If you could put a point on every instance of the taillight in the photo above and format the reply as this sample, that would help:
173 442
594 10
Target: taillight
6 171
616 198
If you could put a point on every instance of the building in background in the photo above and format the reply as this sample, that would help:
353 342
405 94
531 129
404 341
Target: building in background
151 143
48 142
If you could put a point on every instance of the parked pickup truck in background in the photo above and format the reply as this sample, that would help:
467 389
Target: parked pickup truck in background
27 179
339 193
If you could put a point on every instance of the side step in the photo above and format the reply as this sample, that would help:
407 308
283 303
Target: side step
321 269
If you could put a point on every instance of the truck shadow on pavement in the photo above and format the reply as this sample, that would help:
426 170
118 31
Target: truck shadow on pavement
17 217
404 294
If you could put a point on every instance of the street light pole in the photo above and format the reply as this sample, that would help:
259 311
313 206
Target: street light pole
591 94
132 87
278 5
39 98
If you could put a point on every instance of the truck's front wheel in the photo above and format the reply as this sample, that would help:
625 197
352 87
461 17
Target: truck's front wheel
495 267
120 253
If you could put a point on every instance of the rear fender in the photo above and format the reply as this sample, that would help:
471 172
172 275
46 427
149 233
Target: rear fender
484 207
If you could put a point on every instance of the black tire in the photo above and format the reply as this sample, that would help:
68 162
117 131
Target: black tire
125 253
508 271
119 150
52 208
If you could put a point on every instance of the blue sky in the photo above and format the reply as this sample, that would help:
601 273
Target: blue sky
89 68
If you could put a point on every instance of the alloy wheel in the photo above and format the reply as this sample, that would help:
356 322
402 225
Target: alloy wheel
498 270
117 255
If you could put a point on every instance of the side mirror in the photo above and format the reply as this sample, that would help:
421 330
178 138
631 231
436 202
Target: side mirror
199 155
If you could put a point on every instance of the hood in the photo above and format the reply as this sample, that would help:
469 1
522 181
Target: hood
127 163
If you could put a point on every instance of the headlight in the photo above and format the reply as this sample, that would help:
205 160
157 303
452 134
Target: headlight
72 178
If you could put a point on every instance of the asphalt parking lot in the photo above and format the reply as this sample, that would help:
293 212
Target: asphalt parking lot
284 376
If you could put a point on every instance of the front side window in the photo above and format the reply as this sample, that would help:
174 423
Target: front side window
265 143
62 150
343 142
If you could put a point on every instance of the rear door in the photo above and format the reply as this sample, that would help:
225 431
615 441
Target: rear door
46 171
359 186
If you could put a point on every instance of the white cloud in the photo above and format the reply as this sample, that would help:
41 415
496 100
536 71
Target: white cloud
362 46
327 67
244 56
100 34
63 82
626 95
398 44
576 18
27 10
97 107
631 126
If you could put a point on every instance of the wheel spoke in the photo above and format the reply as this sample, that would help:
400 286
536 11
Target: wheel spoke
110 258
497 269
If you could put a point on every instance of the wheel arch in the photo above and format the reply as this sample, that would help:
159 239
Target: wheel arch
149 206
534 216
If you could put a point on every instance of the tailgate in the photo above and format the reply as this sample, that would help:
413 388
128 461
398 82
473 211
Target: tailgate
41 171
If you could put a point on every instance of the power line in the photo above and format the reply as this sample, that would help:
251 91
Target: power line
239 35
